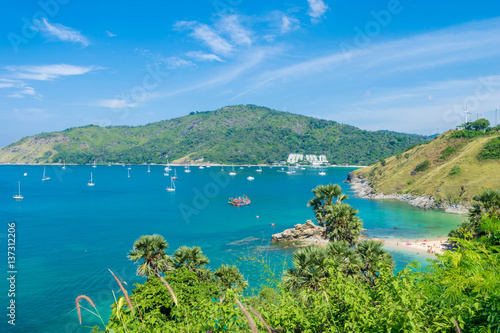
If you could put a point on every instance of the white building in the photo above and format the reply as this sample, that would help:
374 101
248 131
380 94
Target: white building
312 159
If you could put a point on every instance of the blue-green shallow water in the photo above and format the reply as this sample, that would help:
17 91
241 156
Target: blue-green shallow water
69 234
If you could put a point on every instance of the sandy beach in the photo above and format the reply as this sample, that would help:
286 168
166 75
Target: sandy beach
429 246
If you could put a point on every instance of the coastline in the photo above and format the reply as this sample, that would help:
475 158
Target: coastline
191 164
363 190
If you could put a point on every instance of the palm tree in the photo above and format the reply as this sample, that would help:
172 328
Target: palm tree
190 257
151 249
373 257
230 276
323 198
342 224
347 257
310 268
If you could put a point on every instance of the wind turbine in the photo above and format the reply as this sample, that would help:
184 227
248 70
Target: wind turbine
466 112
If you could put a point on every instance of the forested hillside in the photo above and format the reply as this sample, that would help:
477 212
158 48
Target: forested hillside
233 134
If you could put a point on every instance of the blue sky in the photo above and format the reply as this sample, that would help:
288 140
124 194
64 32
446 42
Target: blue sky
407 66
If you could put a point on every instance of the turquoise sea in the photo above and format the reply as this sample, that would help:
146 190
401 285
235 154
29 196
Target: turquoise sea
68 234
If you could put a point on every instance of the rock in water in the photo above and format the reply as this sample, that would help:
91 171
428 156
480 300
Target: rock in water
307 233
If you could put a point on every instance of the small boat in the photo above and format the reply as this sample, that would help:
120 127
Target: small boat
302 168
149 170
175 175
232 173
250 178
222 168
44 178
18 196
128 172
90 183
241 167
259 169
94 166
322 173
64 165
289 172
186 169
109 164
239 201
201 167
25 174
172 185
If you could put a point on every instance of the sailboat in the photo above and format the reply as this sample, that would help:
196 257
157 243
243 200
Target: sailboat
222 168
172 185
167 168
187 169
289 172
128 172
18 196
250 178
90 183
201 167
322 172
44 178
25 174
94 166
175 175
64 165
232 173
259 169
149 170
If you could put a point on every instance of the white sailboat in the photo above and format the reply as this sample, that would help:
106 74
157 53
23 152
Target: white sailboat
322 172
44 178
149 170
222 168
167 168
175 175
259 169
128 172
232 173
250 178
187 169
90 183
201 167
289 172
172 185
25 174
18 196
64 165
94 166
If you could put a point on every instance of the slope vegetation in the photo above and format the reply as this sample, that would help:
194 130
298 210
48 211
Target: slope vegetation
454 167
233 134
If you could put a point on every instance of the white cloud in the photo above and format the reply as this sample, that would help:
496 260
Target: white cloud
6 85
289 24
201 56
317 8
48 72
207 35
60 32
110 34
115 103
231 26
176 62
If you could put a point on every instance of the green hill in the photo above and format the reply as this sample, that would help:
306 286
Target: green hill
454 167
233 134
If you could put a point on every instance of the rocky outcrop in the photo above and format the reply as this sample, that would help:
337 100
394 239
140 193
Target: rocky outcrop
305 234
363 190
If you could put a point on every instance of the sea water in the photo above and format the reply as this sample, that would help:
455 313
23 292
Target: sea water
69 234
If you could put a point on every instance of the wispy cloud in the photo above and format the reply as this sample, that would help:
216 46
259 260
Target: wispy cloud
231 26
60 32
201 56
115 103
317 9
207 35
110 34
176 62
18 88
48 72
289 23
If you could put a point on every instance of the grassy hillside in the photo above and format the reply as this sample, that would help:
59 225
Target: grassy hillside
233 134
453 167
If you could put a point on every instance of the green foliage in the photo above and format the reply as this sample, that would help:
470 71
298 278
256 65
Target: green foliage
456 170
491 150
422 166
480 124
382 162
450 150
466 134
233 134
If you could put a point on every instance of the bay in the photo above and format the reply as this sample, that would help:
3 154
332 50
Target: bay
69 234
